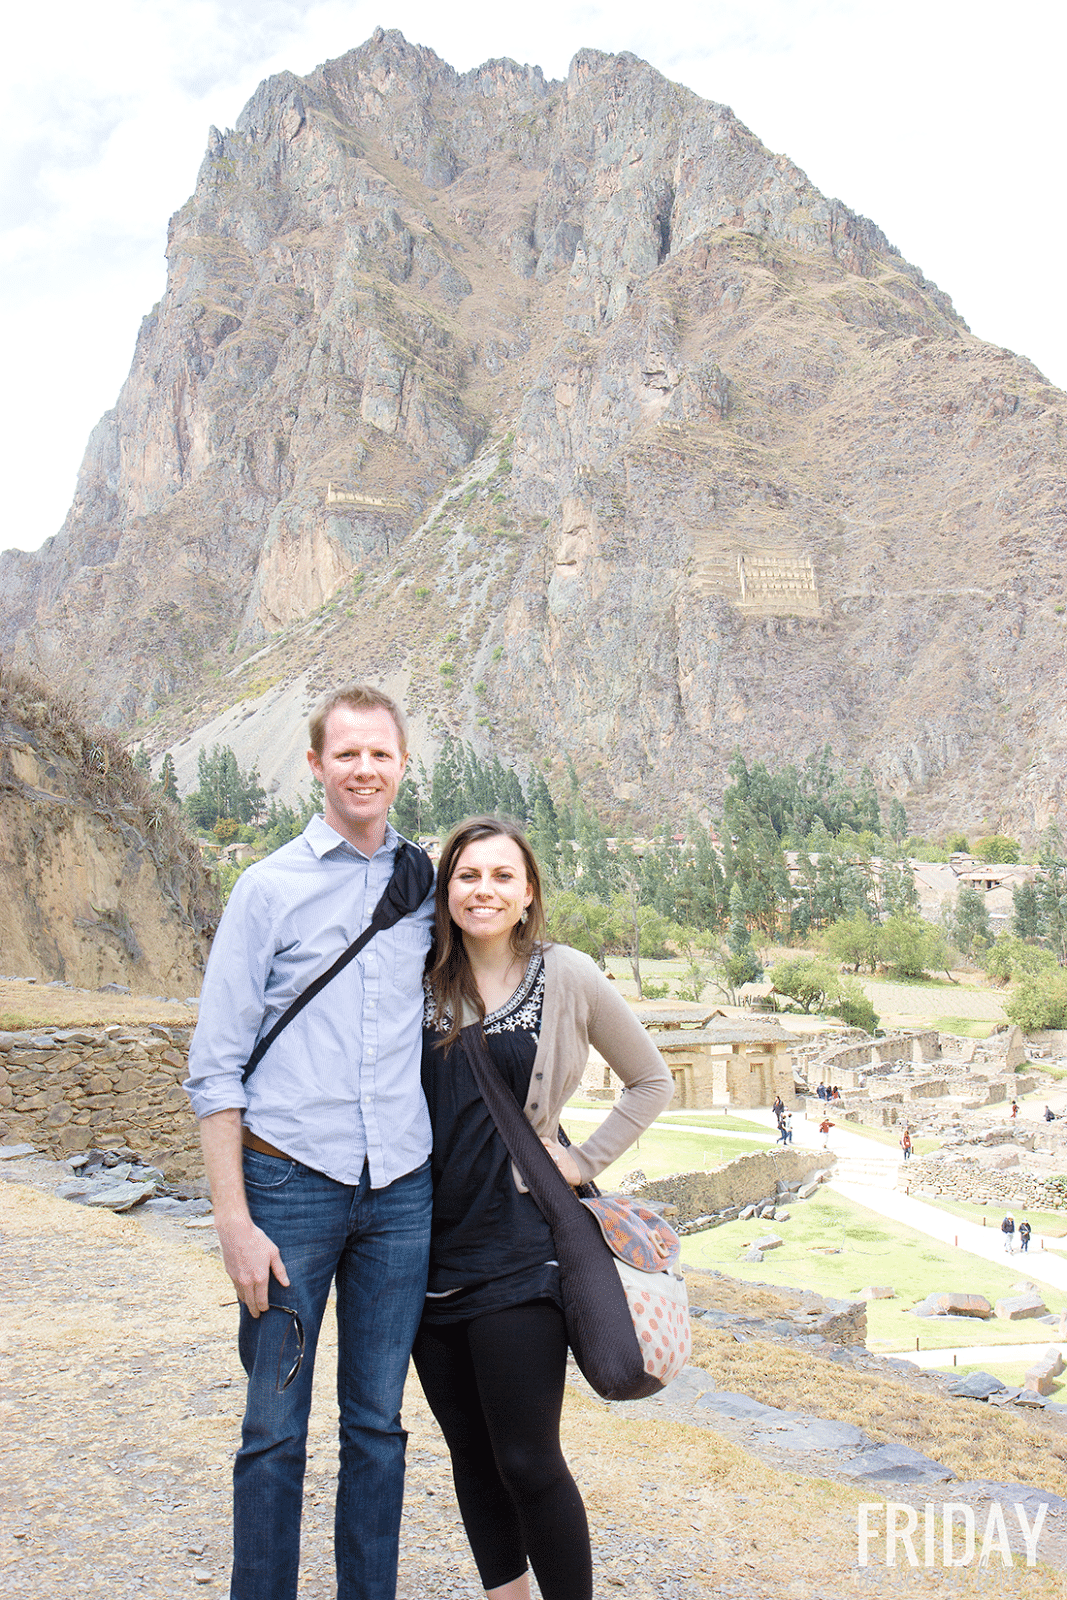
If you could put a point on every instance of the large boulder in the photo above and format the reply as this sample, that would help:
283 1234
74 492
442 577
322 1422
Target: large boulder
1014 1308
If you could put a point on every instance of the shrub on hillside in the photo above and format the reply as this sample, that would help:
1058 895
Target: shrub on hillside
910 947
853 943
1040 1001
1009 957
817 986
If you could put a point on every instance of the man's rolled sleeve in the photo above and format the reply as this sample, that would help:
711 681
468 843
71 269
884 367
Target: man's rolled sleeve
232 1001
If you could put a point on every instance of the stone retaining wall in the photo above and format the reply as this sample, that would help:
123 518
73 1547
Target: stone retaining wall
70 1089
972 1181
747 1179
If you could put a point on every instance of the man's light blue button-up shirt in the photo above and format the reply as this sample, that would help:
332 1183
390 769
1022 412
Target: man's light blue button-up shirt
341 1084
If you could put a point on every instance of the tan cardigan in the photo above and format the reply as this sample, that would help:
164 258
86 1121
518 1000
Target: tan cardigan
581 1008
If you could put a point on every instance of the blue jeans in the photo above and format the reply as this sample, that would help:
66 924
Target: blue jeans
375 1242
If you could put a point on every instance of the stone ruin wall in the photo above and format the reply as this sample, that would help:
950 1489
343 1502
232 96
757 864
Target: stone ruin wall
1015 1189
745 1180
65 1090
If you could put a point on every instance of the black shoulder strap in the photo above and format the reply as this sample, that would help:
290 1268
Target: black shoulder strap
404 893
555 1198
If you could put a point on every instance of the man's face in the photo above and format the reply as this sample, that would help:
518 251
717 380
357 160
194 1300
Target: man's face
360 769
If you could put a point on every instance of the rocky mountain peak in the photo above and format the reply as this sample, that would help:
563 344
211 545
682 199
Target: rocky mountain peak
586 419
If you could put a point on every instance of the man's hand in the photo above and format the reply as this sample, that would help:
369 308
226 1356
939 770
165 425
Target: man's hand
247 1254
250 1257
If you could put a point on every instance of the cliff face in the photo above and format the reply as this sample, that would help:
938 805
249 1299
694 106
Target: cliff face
591 422
98 883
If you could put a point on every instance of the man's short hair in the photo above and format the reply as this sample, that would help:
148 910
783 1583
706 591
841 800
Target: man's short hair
357 697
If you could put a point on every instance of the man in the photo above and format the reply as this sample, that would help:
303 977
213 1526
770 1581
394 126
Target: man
1007 1228
318 1165
824 1128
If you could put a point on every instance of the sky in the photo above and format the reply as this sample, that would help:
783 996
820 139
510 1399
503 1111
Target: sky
939 119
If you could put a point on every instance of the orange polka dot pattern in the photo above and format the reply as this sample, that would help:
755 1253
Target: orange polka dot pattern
662 1328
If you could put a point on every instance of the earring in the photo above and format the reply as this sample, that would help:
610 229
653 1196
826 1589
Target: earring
522 919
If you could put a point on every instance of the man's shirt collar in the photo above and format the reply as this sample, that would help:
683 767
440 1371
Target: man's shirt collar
322 838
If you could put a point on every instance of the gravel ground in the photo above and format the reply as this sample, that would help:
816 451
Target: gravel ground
120 1405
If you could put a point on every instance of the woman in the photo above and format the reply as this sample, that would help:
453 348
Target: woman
492 1349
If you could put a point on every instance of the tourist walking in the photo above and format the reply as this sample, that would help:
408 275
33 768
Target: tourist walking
905 1144
824 1128
1024 1236
491 1351
1007 1228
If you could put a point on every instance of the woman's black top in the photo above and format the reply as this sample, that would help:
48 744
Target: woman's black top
490 1247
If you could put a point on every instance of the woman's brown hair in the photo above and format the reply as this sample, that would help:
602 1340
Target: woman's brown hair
449 969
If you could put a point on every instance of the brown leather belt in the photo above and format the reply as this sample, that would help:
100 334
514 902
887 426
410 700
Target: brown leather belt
254 1142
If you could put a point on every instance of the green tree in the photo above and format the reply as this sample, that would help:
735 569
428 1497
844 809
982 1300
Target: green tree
139 757
1025 912
1009 957
911 947
407 808
956 844
997 847
583 922
817 986
898 821
805 979
745 967
852 1004
1051 890
168 779
223 790
853 942
969 921
1040 1001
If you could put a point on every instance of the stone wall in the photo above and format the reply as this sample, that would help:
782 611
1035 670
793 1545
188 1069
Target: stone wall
892 1050
971 1180
70 1089
744 1181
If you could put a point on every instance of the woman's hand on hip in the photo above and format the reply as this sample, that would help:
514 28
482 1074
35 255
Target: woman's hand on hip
564 1161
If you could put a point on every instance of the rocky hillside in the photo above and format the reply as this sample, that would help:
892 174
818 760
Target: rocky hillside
590 424
99 883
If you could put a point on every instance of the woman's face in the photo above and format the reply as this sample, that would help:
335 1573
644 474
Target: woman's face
488 890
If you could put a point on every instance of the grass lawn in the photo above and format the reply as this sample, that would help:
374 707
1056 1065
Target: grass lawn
871 1250
660 1152
694 1119
966 1027
717 1119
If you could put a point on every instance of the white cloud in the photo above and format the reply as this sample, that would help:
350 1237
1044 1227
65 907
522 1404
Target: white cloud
937 118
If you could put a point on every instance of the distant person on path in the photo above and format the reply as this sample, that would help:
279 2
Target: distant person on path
1050 1115
1024 1237
1007 1228
787 1124
781 1128
778 1107
905 1144
821 1091
824 1128
319 1163
1014 1109
834 1093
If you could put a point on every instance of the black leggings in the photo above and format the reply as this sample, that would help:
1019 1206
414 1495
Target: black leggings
495 1385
